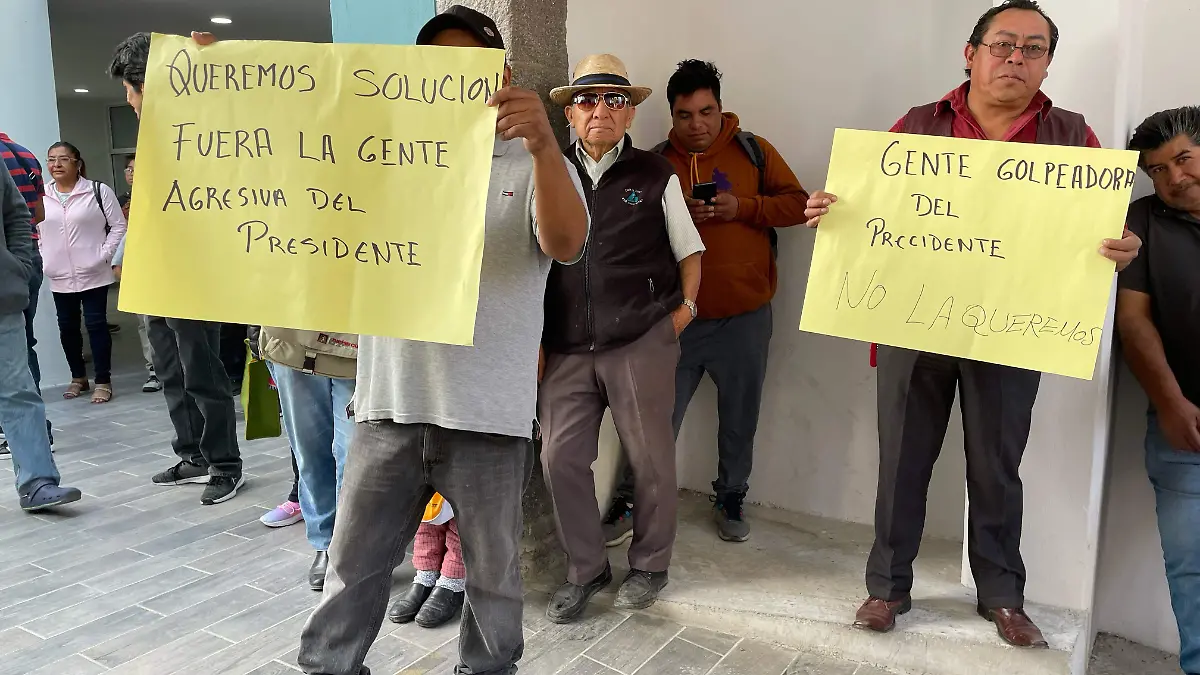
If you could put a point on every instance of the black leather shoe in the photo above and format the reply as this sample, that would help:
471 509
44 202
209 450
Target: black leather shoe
316 573
441 606
570 599
406 607
640 589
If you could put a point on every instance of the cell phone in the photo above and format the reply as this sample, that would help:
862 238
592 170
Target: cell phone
705 192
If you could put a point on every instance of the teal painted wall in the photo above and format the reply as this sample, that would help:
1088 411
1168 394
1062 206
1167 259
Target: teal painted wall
379 22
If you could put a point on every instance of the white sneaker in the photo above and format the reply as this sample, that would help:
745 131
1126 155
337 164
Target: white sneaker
152 384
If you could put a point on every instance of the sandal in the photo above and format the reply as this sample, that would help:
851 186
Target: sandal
103 393
76 388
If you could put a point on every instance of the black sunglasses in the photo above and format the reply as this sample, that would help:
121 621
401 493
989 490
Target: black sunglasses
587 101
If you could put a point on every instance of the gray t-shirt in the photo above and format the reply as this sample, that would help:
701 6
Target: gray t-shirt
490 387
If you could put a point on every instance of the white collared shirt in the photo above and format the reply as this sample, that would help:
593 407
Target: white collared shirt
681 231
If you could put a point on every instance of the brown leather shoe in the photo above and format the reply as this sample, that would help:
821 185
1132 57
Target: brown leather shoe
880 615
1015 627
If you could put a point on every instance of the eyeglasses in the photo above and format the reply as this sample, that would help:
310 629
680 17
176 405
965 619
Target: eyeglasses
1004 49
60 160
613 100
129 170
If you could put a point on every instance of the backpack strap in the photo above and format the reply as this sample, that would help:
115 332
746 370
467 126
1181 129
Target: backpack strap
750 144
100 203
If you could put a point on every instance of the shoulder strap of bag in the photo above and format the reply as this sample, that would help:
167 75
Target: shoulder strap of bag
750 144
100 203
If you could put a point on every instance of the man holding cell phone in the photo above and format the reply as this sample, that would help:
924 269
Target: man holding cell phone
739 189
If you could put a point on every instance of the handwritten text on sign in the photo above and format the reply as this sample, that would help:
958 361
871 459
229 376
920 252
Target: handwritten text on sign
976 249
327 187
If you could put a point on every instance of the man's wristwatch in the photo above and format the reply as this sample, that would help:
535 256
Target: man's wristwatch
691 306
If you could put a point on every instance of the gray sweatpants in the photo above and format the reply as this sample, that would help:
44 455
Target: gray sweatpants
392 470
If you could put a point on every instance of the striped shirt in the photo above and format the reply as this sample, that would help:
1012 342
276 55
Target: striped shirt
26 172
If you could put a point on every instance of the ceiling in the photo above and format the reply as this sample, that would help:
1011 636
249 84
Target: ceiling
84 32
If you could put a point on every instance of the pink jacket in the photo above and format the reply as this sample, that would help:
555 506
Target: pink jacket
76 252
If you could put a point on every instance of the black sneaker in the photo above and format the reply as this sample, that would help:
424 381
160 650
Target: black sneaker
5 453
221 489
617 526
181 473
727 512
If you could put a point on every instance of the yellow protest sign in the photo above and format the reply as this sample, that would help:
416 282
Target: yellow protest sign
976 249
327 187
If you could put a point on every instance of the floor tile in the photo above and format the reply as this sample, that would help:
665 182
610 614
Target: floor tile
755 658
720 643
682 658
633 642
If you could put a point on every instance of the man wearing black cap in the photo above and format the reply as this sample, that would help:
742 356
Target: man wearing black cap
456 420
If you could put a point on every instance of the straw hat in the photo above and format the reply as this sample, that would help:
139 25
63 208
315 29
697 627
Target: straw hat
599 70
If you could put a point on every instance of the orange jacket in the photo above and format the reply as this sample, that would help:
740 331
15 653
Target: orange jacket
737 269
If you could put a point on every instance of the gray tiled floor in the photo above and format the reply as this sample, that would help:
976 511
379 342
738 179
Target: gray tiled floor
142 579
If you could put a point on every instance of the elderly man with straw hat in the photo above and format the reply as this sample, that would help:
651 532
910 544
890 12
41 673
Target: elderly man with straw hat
611 339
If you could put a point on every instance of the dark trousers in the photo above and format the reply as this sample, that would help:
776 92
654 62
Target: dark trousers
35 289
294 495
392 470
733 351
199 398
916 393
94 306
635 383
233 350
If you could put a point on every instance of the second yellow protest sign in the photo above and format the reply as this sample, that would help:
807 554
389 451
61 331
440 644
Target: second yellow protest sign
337 188
976 249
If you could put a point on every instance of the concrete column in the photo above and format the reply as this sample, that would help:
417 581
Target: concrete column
29 114
535 33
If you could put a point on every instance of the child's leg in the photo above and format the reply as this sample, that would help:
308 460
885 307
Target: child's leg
453 571
429 548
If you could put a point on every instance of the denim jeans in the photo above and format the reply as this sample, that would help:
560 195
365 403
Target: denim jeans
392 470
314 415
90 307
22 413
1175 475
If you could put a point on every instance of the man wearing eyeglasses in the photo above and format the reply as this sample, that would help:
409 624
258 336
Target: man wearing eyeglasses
1007 57
611 340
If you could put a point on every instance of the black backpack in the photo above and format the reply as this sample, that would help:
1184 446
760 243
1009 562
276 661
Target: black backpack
758 158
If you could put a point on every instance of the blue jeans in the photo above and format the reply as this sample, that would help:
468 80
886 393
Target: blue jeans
22 412
1175 475
314 415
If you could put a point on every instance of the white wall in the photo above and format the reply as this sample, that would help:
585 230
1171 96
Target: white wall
84 123
28 114
794 71
1131 591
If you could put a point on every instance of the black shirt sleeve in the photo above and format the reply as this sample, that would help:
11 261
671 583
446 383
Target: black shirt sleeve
1136 277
